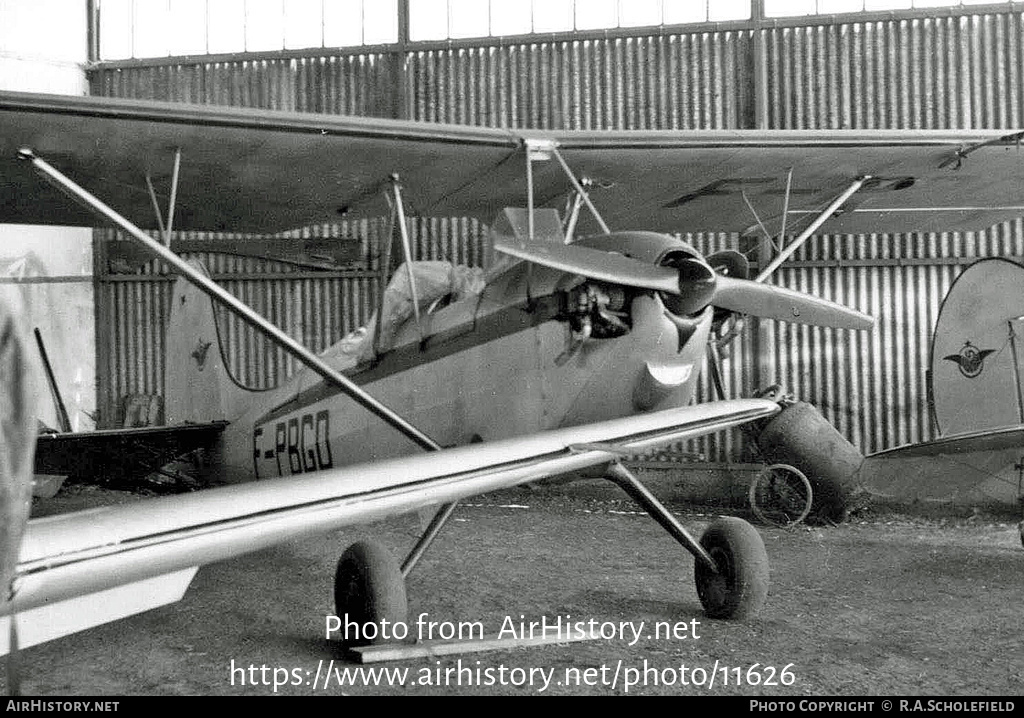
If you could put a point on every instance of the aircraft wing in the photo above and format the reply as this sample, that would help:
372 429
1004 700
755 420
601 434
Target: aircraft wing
85 568
975 466
266 171
113 455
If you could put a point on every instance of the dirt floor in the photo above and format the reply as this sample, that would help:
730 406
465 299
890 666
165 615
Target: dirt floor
887 604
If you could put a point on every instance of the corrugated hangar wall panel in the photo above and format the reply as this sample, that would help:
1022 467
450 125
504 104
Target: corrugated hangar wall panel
943 72
665 81
354 84
133 318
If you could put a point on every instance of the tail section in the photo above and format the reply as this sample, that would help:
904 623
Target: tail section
977 362
198 385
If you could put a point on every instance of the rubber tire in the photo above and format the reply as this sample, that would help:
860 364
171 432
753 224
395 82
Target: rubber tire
740 588
369 588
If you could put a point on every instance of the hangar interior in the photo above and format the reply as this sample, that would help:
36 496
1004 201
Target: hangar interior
550 64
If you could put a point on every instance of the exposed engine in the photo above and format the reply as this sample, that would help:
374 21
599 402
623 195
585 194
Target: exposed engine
599 311
594 311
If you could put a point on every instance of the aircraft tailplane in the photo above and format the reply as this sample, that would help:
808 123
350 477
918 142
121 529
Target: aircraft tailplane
199 387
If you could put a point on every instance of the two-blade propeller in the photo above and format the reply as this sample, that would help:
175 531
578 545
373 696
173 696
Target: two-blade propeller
692 282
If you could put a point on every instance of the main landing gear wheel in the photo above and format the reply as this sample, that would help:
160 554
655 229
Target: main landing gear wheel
781 495
369 590
740 587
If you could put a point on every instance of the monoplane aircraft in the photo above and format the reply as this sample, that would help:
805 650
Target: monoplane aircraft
592 317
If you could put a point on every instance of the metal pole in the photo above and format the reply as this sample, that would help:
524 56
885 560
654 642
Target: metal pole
819 220
242 310
62 412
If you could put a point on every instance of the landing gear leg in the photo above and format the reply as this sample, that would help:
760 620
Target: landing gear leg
433 529
731 570
369 585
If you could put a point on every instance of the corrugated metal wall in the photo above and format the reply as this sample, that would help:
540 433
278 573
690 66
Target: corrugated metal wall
342 84
663 82
945 72
953 70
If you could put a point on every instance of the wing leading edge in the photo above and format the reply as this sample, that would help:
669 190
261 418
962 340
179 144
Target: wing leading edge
77 557
265 171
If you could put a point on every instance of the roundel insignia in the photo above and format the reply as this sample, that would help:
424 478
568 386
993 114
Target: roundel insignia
971 360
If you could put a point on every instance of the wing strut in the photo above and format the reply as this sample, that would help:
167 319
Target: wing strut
397 218
543 149
582 193
403 230
238 307
573 205
812 227
165 230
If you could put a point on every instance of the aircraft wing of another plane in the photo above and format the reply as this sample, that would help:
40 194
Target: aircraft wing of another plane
257 170
85 568
112 455
979 466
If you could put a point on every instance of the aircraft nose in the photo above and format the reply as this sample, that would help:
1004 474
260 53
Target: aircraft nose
697 282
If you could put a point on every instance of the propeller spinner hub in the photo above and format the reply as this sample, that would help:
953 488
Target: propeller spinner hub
697 283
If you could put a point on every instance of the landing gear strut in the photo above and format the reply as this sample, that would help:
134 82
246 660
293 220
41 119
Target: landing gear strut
731 564
731 570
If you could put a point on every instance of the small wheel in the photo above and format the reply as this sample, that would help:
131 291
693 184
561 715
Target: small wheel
369 590
781 495
740 587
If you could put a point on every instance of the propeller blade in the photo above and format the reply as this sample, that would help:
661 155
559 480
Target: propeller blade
763 300
594 263
693 282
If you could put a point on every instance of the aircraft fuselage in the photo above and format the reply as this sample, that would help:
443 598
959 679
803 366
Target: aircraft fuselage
491 366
